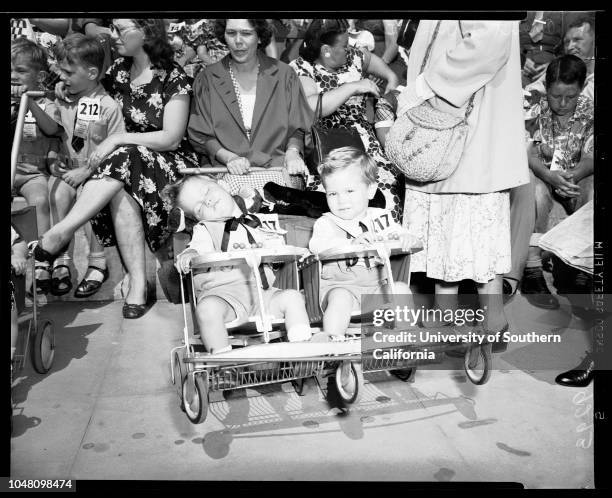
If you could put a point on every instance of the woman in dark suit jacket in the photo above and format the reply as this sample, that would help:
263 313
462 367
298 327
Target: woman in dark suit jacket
249 110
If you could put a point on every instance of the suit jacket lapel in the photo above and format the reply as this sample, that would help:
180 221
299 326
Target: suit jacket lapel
266 85
225 89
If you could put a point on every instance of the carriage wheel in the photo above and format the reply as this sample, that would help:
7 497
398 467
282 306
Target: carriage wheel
43 347
178 373
405 374
349 381
195 397
477 363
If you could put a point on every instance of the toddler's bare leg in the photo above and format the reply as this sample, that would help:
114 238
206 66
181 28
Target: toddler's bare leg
61 198
37 194
338 312
290 304
212 313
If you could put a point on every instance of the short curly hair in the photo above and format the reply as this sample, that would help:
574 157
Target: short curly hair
343 157
35 55
261 27
81 50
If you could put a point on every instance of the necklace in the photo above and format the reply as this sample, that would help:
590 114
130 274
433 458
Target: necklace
239 97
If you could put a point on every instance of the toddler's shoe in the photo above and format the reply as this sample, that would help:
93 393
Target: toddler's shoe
299 333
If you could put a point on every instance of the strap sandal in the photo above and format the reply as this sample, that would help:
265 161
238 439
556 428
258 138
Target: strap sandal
43 285
88 288
61 286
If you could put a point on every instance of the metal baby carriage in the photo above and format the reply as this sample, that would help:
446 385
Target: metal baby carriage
261 353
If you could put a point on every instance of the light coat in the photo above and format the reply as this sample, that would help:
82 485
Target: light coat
485 61
281 113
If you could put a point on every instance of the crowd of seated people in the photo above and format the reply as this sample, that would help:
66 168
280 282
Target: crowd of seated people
241 93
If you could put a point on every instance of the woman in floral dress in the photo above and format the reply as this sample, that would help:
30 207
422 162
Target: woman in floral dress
329 66
133 167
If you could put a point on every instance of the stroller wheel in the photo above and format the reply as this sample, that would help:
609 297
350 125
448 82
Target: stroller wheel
43 347
178 373
195 397
477 363
349 381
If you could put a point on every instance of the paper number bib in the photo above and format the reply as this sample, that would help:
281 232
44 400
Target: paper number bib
29 128
269 223
88 110
381 223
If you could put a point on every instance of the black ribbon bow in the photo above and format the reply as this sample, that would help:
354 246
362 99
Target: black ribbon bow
246 220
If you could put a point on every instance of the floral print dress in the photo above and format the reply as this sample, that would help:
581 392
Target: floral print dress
352 114
571 141
144 172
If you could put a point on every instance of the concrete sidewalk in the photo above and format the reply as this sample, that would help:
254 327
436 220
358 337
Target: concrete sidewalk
107 410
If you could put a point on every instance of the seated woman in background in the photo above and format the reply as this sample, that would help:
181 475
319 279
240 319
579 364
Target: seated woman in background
249 110
328 66
132 168
561 160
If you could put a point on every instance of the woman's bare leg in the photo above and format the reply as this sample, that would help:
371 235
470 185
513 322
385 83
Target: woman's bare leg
61 199
127 220
491 297
96 194
445 299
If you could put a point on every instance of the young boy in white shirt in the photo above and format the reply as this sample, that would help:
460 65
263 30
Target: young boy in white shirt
89 117
350 179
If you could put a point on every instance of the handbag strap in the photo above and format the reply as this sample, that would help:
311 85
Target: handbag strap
470 105
319 109
428 51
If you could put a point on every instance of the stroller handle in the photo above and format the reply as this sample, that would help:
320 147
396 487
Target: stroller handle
36 94
221 169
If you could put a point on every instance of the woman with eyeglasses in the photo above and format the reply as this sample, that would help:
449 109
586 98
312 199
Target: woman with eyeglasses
249 110
133 167
328 66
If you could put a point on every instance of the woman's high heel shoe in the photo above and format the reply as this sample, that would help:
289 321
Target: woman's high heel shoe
133 311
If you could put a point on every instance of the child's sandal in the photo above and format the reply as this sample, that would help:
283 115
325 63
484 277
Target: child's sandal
61 286
43 285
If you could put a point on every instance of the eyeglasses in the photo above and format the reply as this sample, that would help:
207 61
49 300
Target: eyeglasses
122 33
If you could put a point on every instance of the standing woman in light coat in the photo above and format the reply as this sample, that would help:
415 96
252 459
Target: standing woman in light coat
464 220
